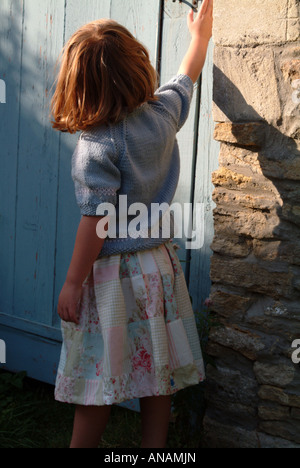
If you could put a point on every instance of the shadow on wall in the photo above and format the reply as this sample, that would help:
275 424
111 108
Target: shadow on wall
255 271
260 205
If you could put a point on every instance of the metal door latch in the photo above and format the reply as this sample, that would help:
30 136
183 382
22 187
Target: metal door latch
193 4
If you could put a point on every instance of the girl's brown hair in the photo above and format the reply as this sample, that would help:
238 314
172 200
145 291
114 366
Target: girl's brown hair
105 72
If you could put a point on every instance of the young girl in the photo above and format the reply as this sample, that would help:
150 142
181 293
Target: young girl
128 326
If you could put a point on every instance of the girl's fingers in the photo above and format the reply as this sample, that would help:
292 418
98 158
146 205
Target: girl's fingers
190 17
75 316
206 4
64 314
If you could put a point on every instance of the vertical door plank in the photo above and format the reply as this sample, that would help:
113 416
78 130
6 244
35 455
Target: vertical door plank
11 16
207 162
38 163
80 13
176 39
142 20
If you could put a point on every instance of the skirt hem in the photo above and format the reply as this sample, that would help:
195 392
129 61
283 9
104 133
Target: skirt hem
135 396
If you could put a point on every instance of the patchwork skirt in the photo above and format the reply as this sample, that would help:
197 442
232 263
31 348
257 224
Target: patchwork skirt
137 335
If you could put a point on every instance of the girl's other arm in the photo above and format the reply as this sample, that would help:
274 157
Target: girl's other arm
87 249
201 32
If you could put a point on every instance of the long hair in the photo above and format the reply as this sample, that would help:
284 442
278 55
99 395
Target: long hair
104 74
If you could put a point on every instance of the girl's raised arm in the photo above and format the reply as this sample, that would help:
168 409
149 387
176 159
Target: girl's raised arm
200 28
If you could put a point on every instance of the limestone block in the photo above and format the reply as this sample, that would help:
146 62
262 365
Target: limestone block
279 395
271 250
234 384
243 341
233 410
243 179
220 435
291 70
267 250
234 246
255 22
239 157
293 15
285 429
244 134
273 412
287 167
279 319
289 87
282 308
227 303
271 279
254 224
283 330
266 441
263 197
279 375
226 177
279 159
245 85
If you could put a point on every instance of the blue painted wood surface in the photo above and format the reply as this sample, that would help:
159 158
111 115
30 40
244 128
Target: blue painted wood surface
206 161
38 212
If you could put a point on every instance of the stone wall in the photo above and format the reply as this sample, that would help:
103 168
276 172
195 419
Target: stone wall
253 391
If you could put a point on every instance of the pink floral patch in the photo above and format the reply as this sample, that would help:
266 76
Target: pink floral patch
142 360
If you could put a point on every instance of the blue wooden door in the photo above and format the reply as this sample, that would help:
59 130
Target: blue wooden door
38 212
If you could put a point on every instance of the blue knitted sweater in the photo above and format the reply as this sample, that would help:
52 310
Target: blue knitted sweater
137 157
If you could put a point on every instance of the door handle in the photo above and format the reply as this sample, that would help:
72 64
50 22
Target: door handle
193 4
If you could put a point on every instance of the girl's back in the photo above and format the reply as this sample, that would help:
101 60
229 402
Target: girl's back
137 157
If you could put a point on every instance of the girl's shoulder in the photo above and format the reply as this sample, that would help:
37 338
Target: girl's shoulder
95 133
106 140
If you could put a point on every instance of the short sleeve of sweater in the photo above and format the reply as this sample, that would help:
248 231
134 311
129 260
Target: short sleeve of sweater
175 97
95 174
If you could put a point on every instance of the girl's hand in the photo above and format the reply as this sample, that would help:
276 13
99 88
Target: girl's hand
201 26
69 301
